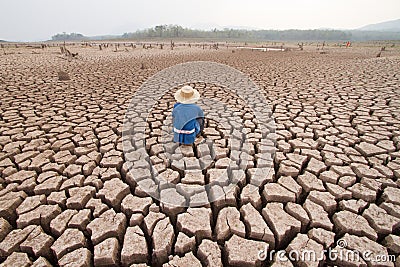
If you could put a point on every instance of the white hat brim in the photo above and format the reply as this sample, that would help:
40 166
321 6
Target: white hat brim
193 99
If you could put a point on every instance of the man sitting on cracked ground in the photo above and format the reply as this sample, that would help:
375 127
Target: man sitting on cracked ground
187 117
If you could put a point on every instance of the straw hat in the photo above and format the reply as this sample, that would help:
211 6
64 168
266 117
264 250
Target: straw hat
187 95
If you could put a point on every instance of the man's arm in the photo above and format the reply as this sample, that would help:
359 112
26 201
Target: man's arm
201 113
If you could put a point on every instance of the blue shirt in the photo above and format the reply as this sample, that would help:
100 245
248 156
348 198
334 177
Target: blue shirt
184 118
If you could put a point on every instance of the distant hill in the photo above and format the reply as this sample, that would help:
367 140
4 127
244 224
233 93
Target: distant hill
387 26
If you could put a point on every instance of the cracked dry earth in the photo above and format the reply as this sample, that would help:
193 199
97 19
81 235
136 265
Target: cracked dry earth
67 197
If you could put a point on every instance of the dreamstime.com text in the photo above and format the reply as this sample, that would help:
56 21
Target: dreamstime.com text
330 254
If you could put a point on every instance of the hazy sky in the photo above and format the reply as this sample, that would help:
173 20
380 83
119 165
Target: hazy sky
33 20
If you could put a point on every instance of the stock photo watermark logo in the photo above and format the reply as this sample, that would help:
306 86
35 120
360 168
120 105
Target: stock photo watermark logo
138 136
339 254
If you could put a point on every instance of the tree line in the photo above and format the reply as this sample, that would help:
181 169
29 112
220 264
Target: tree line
67 37
176 31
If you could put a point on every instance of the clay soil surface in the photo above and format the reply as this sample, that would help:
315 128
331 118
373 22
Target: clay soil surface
67 197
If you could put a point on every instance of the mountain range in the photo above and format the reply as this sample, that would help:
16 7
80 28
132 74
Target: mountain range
387 26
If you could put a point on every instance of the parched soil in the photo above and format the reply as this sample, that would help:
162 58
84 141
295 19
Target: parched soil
68 198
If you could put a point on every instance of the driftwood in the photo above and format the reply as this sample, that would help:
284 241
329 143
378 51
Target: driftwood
67 53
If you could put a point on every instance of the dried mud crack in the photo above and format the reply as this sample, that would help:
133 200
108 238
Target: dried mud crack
67 197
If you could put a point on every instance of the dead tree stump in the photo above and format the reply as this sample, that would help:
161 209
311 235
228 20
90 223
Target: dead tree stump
63 76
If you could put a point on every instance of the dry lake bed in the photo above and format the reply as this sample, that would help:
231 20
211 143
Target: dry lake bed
330 179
